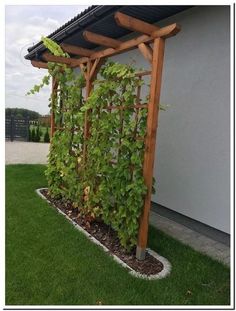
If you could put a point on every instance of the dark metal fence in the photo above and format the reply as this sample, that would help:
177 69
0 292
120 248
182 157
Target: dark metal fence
17 128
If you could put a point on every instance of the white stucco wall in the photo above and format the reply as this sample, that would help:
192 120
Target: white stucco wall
192 155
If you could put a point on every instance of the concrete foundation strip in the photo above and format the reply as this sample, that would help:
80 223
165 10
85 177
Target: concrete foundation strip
166 264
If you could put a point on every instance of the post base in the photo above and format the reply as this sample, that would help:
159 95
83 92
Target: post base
140 253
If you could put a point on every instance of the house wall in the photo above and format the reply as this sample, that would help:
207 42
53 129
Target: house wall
192 155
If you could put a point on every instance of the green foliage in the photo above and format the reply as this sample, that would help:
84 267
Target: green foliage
115 157
30 135
108 183
37 134
46 137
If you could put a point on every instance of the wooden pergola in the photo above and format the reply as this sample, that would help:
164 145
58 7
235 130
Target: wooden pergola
90 62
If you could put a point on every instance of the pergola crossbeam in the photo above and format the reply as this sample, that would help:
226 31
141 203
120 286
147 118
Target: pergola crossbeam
101 40
58 59
39 64
164 32
76 50
134 24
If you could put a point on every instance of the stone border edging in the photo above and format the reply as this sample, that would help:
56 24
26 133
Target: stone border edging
166 264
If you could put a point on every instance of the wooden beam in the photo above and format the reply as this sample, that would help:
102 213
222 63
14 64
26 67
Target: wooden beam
150 142
164 32
131 44
76 50
39 64
167 32
146 50
95 68
83 70
101 40
58 59
94 65
134 24
138 25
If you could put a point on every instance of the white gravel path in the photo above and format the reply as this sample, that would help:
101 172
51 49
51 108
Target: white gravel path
26 153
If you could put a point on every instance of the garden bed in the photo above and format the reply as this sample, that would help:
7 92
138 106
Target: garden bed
153 267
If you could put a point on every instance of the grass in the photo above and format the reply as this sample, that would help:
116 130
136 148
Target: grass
48 262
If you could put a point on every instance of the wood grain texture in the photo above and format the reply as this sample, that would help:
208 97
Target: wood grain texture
100 39
146 50
150 140
134 24
165 32
39 64
76 50
58 59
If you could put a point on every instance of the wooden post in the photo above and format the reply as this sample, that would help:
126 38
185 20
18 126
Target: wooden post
150 142
88 88
54 90
90 75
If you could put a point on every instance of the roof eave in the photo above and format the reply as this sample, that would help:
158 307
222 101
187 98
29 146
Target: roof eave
81 23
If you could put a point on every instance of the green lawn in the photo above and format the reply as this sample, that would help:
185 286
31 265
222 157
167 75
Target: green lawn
49 262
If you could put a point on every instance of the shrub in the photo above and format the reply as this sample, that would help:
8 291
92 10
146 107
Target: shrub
46 138
30 135
33 134
37 135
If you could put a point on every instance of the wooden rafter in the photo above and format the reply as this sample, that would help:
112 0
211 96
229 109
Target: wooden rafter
164 32
134 24
39 64
76 50
58 59
101 40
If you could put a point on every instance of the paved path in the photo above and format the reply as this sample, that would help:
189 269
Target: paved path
26 152
199 242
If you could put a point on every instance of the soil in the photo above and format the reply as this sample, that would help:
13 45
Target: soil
108 237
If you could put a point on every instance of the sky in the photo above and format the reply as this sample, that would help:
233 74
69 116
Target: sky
24 26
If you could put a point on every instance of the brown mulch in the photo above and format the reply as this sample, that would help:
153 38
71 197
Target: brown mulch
108 237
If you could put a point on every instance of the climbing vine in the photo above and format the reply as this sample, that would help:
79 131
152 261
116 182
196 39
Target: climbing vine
102 175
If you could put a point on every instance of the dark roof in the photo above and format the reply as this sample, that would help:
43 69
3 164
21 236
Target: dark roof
100 19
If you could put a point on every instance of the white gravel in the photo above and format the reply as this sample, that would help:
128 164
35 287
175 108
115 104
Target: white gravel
166 264
26 152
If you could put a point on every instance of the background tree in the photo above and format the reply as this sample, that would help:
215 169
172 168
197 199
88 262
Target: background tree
22 113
